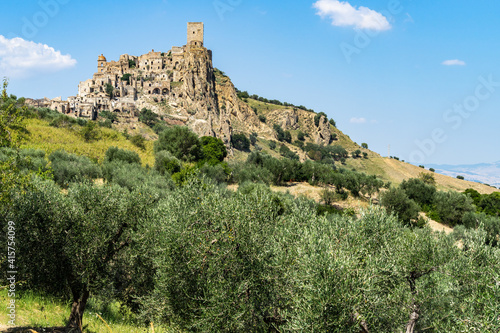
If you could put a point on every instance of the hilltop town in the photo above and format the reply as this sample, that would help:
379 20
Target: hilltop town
181 86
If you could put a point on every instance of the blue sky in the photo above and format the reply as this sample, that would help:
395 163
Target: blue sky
418 76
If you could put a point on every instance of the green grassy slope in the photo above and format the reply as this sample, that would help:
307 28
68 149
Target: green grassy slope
48 138
35 311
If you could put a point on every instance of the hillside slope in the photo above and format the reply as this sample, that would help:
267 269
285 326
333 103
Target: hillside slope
48 138
396 171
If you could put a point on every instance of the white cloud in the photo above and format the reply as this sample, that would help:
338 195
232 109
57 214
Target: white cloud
453 62
22 58
344 14
357 120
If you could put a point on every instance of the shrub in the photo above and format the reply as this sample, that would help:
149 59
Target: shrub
280 134
245 172
253 138
133 176
109 115
29 159
432 170
106 123
47 114
299 144
451 206
138 141
109 90
397 201
314 155
489 204
126 77
62 121
364 145
240 142
327 196
474 195
318 116
213 149
181 142
117 154
243 94
182 177
158 128
68 168
272 145
90 132
489 223
427 178
286 152
219 173
165 162
148 117
301 136
460 177
333 123
262 118
287 137
418 190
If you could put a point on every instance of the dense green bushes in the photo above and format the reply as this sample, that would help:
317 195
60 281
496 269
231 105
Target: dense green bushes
451 206
108 115
69 168
117 154
165 162
416 189
28 159
396 201
287 153
213 149
148 117
133 176
240 141
61 120
181 142
212 260
281 134
72 242
279 171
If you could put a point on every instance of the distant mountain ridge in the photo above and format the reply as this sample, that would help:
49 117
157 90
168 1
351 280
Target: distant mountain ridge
486 173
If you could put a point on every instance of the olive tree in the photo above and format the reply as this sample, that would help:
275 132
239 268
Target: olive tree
71 242
181 142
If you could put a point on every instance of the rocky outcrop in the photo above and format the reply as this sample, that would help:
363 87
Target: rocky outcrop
323 133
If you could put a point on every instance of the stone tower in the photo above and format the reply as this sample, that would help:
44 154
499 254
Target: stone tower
101 60
195 33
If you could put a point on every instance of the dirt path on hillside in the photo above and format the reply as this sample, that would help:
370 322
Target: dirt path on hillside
436 226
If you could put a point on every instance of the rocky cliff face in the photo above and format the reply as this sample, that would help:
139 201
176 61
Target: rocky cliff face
205 100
